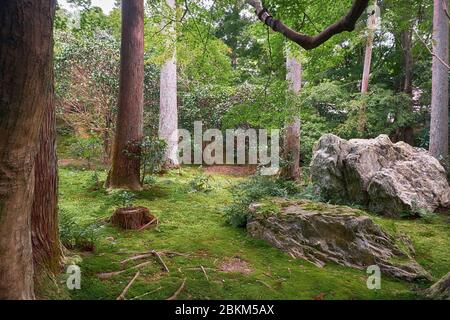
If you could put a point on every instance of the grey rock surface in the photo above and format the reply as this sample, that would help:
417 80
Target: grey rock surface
391 179
323 233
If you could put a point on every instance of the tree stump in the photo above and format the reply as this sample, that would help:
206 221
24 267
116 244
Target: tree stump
132 218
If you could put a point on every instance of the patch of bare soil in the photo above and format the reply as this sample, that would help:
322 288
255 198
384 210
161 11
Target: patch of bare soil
231 170
235 265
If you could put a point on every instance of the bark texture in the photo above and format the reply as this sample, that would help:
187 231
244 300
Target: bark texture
439 99
47 253
125 170
292 137
408 61
168 118
26 29
132 218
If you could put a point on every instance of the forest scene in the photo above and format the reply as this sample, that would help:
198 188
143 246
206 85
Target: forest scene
224 150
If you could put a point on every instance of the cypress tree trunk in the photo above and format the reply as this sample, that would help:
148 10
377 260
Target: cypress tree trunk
47 252
439 99
292 136
168 118
125 170
26 30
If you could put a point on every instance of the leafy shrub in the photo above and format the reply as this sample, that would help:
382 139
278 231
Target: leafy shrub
74 235
385 111
152 156
201 183
151 153
149 180
122 198
252 190
88 149
94 183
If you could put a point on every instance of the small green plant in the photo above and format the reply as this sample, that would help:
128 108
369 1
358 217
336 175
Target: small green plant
93 182
88 149
149 180
201 183
74 235
122 198
150 151
252 190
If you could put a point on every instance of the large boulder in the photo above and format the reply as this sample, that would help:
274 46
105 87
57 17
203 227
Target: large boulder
323 233
391 179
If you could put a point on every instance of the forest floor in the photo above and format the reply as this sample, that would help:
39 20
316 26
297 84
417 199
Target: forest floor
217 260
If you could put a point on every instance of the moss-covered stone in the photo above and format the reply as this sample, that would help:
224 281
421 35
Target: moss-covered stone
320 233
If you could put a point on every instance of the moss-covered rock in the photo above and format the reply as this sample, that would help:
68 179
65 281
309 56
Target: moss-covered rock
322 233
441 289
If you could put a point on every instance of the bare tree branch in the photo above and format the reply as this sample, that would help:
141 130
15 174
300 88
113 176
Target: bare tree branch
346 23
444 6
431 51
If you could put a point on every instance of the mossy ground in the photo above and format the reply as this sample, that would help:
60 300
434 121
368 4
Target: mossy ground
192 223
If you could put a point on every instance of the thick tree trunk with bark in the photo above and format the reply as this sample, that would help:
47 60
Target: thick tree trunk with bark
406 133
408 62
439 100
125 170
292 136
47 252
168 118
26 31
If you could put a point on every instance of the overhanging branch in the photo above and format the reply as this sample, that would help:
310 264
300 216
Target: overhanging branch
346 23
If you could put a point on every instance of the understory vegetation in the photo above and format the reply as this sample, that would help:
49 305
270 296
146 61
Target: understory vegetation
217 260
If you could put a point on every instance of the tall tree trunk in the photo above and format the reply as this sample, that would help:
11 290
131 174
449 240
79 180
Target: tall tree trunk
125 170
372 22
292 136
26 31
439 99
47 253
406 41
406 133
168 118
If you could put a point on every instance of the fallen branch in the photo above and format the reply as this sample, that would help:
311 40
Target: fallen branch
146 294
199 269
156 254
148 224
144 255
108 275
138 257
204 272
175 295
124 292
268 286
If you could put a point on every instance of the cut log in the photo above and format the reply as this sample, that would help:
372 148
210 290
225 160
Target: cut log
133 218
